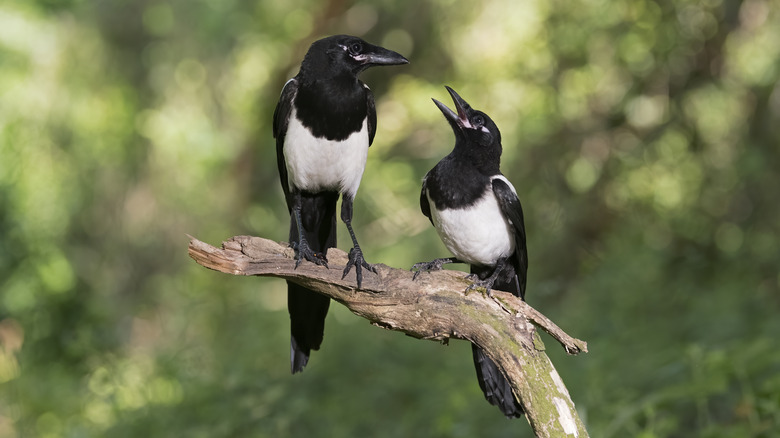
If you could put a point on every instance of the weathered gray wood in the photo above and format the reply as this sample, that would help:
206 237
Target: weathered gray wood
432 307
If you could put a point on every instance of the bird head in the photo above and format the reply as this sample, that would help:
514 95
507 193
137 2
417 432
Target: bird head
345 53
473 126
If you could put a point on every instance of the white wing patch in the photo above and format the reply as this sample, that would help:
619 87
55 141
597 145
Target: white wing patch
286 84
503 178
315 164
479 234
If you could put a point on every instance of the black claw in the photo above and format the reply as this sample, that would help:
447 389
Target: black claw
356 259
433 265
487 284
303 251
419 269
346 270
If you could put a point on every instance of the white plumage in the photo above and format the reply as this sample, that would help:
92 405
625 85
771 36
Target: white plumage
479 234
317 164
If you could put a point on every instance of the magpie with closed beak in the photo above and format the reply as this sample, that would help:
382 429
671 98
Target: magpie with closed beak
323 124
478 216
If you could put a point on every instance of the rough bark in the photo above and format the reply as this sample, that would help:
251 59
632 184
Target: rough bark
433 306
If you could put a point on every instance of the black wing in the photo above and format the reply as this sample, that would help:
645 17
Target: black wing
425 206
510 206
371 115
281 120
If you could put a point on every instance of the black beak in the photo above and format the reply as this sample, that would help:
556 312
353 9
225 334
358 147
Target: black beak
381 56
462 107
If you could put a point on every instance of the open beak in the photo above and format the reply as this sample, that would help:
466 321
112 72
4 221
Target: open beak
459 119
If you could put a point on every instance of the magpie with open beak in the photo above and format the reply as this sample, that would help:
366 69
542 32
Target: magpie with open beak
323 124
478 216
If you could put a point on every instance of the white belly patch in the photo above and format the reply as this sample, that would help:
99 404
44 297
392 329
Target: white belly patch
478 235
316 164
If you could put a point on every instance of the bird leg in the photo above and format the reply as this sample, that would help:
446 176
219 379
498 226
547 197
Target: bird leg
488 282
301 247
355 254
433 265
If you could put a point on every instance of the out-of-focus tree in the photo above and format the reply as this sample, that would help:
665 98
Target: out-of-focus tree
642 137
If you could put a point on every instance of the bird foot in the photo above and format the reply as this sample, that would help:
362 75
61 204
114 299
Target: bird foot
477 283
433 265
304 251
356 259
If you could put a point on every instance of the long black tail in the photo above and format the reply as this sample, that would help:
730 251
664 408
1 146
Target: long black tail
308 308
492 381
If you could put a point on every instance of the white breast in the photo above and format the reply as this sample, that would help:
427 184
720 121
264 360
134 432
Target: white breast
478 235
316 164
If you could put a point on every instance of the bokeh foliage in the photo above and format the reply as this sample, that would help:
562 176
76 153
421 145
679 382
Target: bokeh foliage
643 138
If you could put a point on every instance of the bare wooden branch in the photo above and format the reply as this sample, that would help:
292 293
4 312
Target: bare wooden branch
431 307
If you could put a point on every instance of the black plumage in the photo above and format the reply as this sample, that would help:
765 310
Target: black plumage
323 124
478 216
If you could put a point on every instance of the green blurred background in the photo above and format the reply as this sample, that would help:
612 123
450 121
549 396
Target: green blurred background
643 138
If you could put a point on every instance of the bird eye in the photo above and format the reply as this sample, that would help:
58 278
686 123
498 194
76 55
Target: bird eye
355 48
478 120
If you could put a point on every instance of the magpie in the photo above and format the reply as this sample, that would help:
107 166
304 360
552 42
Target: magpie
323 124
478 216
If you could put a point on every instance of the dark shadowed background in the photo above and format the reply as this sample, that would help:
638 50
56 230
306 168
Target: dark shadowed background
643 139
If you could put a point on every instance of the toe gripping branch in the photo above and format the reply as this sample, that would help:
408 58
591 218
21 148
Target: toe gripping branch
302 248
357 260
433 265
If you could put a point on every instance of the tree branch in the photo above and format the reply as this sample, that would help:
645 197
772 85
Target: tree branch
431 307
